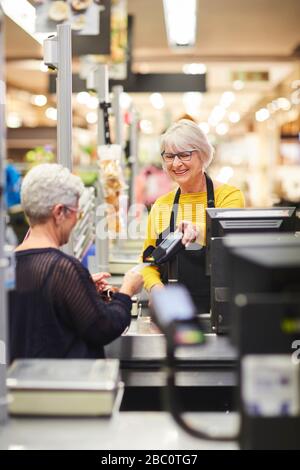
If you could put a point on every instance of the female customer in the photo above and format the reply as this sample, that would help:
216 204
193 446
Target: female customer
56 311
186 154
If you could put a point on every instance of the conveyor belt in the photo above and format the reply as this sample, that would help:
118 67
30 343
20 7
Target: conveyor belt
143 343
206 374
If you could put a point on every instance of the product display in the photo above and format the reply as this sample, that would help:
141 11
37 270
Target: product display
112 183
59 11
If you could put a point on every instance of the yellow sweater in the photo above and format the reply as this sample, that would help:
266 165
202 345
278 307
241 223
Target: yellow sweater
191 208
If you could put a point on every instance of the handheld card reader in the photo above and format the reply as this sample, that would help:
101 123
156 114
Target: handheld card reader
163 253
169 247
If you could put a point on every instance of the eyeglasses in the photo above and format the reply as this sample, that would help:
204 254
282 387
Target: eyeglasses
185 156
78 211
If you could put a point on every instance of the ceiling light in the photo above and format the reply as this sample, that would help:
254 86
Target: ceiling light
13 120
91 117
272 107
38 100
146 126
222 128
262 114
234 117
93 102
284 103
51 113
180 19
157 100
83 97
216 115
238 85
194 69
125 100
227 99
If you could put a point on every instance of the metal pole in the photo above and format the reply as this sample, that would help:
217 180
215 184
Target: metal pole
133 152
3 260
64 105
117 111
117 91
98 82
64 96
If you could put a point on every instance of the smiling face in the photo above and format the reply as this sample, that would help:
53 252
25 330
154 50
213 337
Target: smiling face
186 174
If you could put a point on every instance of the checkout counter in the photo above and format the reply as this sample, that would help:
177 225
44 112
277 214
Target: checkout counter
206 374
128 431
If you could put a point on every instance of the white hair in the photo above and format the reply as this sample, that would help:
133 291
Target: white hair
46 185
186 135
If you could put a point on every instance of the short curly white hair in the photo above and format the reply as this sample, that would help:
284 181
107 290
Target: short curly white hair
186 135
46 185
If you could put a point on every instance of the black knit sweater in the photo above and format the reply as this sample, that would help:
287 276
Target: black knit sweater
56 312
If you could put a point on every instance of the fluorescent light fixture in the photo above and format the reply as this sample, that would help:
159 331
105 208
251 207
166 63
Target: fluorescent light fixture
23 14
180 19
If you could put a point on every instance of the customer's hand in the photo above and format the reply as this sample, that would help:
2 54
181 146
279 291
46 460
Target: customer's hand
190 232
100 281
132 283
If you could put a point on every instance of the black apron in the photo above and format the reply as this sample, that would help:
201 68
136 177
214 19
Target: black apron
188 266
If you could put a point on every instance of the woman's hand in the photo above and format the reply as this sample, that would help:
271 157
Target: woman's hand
100 281
132 283
190 232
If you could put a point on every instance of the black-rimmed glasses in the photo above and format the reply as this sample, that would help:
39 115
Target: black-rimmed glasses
185 156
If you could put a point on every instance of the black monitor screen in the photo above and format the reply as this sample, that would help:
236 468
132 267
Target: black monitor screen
220 222
264 223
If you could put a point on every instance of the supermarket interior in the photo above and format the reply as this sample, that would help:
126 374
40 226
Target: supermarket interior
149 224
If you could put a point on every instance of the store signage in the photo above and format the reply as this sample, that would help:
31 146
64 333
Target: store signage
154 82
